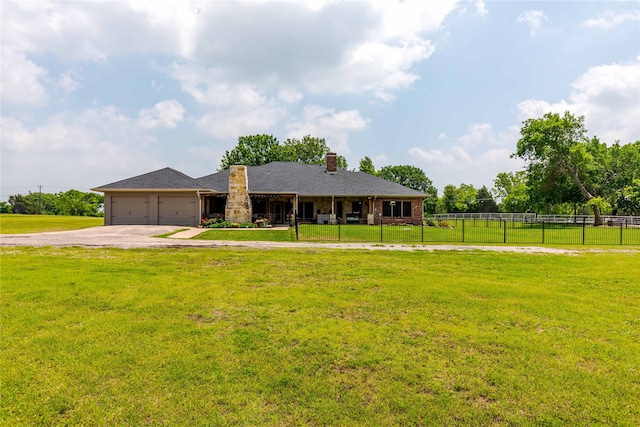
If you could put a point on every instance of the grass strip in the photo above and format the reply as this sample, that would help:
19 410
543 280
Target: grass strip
24 224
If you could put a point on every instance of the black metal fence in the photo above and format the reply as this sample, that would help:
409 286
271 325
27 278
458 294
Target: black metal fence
474 231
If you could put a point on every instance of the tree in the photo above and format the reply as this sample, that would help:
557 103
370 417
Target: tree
366 166
447 203
21 204
74 202
257 150
555 144
309 150
485 202
254 150
415 178
622 168
631 195
512 190
466 198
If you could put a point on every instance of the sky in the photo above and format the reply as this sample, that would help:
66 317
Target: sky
95 92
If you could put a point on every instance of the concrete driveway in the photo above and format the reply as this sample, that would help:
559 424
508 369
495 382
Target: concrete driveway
141 236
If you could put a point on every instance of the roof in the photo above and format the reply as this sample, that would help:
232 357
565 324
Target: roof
272 178
165 179
310 180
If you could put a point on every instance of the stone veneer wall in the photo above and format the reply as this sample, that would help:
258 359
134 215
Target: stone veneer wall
238 207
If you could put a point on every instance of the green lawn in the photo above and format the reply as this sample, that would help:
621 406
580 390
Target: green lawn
254 234
318 337
478 232
18 224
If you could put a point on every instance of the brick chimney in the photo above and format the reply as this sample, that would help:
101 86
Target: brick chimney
332 163
238 208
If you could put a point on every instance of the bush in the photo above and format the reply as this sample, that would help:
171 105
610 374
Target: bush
220 224
443 223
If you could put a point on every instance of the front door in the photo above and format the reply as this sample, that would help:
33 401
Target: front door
278 213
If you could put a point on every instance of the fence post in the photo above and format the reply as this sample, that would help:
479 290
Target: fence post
422 232
463 230
339 237
295 223
584 223
380 229
505 231
620 233
543 232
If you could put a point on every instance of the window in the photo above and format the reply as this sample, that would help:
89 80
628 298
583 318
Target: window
305 210
396 209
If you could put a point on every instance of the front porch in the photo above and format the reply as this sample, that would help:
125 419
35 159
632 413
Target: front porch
274 208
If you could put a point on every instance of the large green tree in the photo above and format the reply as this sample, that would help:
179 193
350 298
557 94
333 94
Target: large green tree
308 150
257 150
557 145
512 190
253 150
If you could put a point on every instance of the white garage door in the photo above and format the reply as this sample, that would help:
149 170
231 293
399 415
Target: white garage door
126 210
177 210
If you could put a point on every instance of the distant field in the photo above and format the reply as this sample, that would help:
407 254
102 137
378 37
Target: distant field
318 337
18 224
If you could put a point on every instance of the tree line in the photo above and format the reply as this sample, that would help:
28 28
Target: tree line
566 172
72 202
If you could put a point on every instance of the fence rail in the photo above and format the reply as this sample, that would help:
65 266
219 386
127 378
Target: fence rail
476 230
532 217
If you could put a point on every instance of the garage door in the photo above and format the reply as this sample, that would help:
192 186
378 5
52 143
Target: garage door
127 210
177 210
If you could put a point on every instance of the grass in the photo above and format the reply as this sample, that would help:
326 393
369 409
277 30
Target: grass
480 232
244 235
19 224
323 337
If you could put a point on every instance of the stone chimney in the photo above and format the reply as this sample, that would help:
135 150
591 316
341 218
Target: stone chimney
332 163
238 207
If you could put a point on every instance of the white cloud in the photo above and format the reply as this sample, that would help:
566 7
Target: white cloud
607 95
165 114
229 124
442 135
476 133
22 80
88 148
611 19
481 9
328 123
534 18
433 156
68 82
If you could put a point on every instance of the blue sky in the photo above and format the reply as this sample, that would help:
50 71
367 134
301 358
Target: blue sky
94 92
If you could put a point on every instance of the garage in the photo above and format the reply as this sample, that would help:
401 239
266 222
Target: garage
177 210
127 210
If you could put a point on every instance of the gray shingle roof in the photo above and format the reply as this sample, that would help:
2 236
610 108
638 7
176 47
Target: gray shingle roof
310 180
276 177
166 178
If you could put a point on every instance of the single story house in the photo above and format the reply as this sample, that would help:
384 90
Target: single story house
317 193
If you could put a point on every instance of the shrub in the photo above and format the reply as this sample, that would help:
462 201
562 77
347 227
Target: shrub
221 224
443 223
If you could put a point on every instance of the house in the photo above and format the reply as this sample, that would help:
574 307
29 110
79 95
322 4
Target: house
319 194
